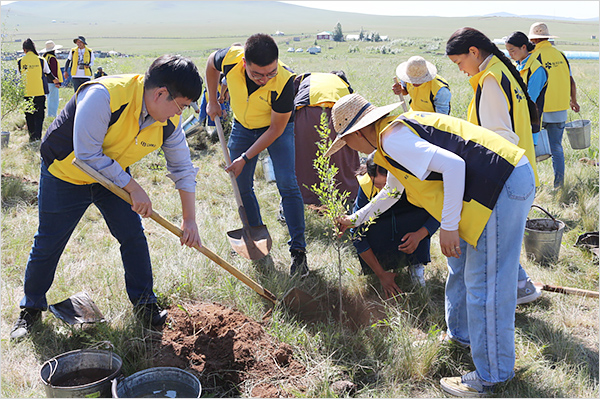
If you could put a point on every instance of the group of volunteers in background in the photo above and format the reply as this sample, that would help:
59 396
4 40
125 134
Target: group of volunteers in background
473 181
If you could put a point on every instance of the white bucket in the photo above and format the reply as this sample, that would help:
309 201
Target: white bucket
579 133
268 170
542 148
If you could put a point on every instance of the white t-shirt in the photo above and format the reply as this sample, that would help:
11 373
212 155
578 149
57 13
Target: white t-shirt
81 72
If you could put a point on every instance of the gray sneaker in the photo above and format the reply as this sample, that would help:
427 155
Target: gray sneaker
529 293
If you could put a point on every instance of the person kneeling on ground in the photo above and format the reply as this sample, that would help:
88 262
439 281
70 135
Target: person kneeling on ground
399 237
110 124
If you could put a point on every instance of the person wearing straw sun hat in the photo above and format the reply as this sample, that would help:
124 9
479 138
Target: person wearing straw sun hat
480 187
50 56
561 94
428 91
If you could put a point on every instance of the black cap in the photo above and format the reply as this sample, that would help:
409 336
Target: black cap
80 38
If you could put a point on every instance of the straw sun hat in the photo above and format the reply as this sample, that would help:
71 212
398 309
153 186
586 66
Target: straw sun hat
416 70
350 114
539 30
50 46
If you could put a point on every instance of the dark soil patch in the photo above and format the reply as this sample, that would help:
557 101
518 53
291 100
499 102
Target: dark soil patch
229 352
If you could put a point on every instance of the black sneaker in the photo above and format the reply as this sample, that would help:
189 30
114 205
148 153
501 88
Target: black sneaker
150 314
25 322
299 264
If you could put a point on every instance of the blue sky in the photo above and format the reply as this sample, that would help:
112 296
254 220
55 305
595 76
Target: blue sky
573 9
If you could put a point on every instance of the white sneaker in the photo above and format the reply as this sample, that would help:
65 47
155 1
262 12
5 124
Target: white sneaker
417 274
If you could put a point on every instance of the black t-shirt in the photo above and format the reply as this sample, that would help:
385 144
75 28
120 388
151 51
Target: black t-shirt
281 105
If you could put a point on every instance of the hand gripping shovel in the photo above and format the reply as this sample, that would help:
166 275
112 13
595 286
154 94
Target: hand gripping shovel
251 242
404 107
124 195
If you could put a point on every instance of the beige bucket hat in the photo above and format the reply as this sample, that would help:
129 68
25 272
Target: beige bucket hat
416 70
350 114
539 30
50 46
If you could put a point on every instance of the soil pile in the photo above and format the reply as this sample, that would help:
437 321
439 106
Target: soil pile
231 354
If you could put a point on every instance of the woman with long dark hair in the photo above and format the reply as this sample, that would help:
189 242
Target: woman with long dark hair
501 104
533 73
34 71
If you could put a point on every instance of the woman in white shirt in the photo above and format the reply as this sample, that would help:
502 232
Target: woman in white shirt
480 187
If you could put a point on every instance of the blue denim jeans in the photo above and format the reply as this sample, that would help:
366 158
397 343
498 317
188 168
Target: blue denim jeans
52 100
481 289
555 136
61 205
282 154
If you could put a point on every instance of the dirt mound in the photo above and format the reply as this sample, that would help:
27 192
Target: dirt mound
229 352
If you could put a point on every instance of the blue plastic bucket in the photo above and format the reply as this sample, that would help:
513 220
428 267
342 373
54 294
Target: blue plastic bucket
158 382
542 148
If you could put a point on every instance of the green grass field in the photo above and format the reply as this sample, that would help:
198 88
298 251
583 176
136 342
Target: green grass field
557 339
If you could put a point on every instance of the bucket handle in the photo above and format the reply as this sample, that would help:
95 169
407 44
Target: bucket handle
556 224
52 369
581 119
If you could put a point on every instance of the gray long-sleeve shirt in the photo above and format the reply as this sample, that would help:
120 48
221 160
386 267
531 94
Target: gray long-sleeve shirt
92 118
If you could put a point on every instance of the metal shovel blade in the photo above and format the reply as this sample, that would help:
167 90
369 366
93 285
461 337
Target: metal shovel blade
251 242
77 309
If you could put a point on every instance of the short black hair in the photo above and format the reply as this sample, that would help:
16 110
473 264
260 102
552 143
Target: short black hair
178 74
260 49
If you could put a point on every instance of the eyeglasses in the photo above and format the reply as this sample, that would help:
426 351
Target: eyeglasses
178 106
261 76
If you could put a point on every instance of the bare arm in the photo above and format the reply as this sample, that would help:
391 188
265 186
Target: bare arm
212 85
574 104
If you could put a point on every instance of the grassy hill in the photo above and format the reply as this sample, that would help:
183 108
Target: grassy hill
149 27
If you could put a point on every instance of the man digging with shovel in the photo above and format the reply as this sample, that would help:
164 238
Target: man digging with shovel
261 90
109 124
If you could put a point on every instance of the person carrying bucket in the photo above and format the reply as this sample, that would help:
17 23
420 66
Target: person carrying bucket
480 187
559 97
500 103
534 75
110 124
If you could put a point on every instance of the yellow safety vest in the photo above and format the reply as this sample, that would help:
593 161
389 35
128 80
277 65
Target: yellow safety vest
421 97
31 69
558 94
320 89
252 111
516 100
489 161
87 57
366 183
47 56
124 141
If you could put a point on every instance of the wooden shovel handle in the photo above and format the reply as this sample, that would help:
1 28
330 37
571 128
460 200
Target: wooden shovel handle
569 290
124 195
404 107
